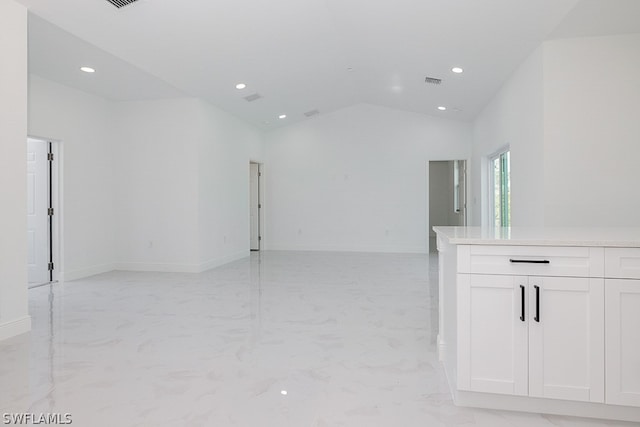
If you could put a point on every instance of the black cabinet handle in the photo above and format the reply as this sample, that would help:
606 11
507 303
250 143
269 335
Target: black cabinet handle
530 261
537 316
522 303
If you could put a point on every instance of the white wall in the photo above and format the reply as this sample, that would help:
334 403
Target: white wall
514 117
592 131
150 185
570 116
225 150
182 186
14 317
356 179
83 124
156 184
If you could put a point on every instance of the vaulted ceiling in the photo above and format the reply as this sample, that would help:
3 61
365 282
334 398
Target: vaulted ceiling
301 56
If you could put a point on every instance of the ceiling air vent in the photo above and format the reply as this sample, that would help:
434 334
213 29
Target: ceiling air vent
253 97
312 113
121 3
432 80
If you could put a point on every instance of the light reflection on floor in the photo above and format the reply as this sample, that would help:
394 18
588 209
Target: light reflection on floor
277 339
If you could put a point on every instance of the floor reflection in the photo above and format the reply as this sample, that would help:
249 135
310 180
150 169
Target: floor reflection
276 339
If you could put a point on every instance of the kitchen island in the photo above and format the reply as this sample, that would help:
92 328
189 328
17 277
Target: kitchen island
541 319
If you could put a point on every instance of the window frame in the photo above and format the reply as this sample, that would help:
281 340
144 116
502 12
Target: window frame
503 155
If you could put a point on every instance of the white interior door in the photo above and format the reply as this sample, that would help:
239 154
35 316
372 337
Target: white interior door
254 205
37 204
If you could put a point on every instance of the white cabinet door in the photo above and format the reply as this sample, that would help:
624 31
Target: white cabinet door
492 334
623 341
566 338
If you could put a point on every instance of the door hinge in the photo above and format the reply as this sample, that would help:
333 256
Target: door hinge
259 205
259 173
50 157
50 266
50 211
259 237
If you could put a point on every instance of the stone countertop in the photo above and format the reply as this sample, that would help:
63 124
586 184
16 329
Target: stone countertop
627 237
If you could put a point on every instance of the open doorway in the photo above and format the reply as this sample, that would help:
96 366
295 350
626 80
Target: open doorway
447 196
255 206
41 211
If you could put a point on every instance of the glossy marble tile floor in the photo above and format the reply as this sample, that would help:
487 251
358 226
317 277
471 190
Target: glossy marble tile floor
277 339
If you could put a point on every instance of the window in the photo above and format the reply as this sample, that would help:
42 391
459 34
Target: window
500 193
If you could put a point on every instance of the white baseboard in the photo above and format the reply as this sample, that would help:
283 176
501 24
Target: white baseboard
547 406
217 262
180 268
154 267
15 327
85 272
157 267
331 248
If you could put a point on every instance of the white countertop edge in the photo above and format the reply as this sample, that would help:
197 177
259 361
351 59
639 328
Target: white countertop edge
615 237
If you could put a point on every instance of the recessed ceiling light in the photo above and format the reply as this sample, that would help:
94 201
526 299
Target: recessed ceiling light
241 86
283 392
282 116
88 69
457 70
350 69
441 108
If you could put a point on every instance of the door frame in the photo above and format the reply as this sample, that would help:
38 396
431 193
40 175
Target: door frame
260 189
56 231
488 185
465 195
